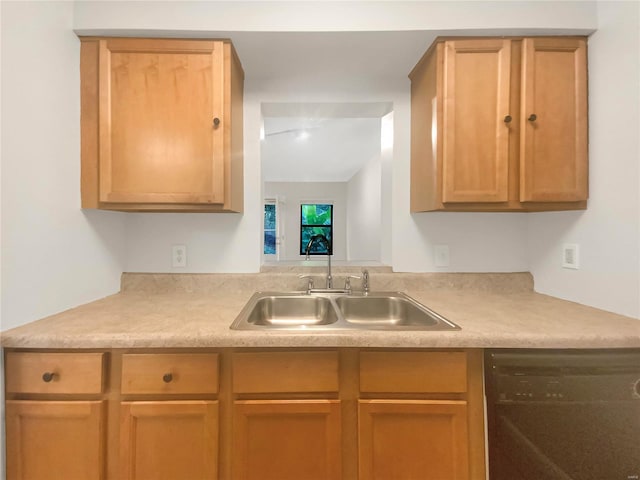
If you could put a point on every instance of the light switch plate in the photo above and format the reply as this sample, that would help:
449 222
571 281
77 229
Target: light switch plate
571 256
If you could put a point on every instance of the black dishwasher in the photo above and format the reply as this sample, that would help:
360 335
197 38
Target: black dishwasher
563 414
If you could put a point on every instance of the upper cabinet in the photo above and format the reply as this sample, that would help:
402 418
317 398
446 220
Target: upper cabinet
500 124
161 125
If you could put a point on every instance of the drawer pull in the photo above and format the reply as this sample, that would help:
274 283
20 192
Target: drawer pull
48 376
167 377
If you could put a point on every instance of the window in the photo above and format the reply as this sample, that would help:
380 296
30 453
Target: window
270 228
316 219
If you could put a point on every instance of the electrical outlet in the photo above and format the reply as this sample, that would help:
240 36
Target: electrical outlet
179 256
571 256
441 255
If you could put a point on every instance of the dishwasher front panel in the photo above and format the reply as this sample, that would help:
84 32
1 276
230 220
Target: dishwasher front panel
563 417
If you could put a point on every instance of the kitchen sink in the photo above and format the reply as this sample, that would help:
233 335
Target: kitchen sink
388 311
328 311
285 311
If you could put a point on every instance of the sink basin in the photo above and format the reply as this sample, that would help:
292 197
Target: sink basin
388 312
333 310
286 311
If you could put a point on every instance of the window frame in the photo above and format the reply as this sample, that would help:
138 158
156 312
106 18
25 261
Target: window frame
274 202
329 226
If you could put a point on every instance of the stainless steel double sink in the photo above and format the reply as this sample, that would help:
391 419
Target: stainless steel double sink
301 311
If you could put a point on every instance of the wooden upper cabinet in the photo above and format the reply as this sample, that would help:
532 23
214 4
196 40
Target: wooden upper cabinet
553 154
473 145
161 124
476 137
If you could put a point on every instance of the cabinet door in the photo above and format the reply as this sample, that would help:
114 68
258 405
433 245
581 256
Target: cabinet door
172 440
413 439
553 156
159 140
287 440
50 440
475 152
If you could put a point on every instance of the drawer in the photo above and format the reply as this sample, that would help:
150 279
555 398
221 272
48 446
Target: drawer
285 372
174 373
413 372
31 372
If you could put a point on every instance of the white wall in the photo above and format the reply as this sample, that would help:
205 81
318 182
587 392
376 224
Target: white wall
386 194
54 256
319 16
364 212
295 193
608 231
217 243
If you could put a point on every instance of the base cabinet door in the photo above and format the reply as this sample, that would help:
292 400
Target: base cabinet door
51 440
169 440
287 440
413 439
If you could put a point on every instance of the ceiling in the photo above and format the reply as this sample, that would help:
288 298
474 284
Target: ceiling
339 138
316 149
342 56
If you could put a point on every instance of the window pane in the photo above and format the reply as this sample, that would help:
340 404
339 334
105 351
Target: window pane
318 247
269 217
270 242
316 214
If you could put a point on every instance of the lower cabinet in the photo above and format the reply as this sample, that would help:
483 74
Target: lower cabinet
170 437
56 416
274 414
286 440
49 440
169 440
404 439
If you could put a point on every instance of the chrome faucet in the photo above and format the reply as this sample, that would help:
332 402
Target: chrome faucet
365 282
321 238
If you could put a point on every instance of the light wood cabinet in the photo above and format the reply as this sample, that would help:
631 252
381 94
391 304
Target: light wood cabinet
286 417
500 124
169 440
420 415
413 439
161 125
245 414
287 440
49 440
55 415
165 438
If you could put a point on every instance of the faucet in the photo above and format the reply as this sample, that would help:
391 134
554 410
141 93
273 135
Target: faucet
321 238
365 281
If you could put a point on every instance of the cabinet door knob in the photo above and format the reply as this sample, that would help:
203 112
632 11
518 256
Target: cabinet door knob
48 376
507 119
167 377
216 122
533 117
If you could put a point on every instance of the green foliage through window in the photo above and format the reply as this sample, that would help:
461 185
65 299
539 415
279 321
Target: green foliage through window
269 229
316 219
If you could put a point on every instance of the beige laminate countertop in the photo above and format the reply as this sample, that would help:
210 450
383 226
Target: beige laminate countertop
165 311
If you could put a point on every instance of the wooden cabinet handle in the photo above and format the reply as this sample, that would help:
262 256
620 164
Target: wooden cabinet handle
533 117
48 376
507 119
167 377
216 122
